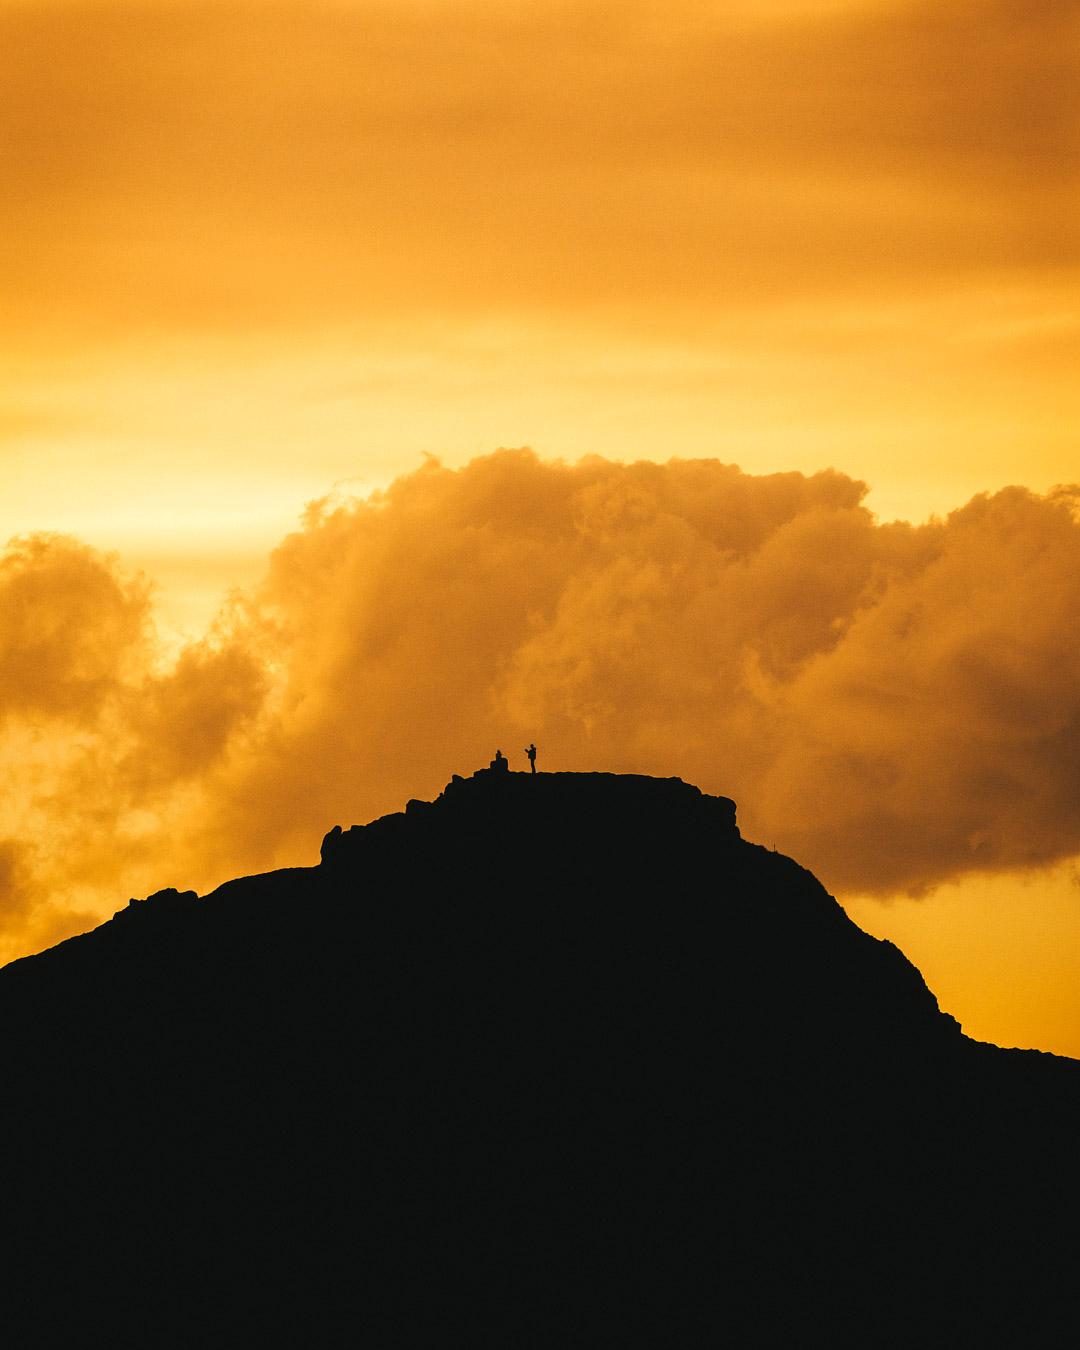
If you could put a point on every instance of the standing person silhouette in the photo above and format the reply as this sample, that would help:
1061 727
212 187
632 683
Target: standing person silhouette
531 752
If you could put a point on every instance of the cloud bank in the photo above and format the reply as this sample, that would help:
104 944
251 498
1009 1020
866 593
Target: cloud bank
894 705
338 157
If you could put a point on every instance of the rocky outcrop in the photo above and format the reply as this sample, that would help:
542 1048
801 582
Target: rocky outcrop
566 802
169 900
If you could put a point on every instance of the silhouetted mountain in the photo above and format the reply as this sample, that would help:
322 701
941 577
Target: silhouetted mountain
553 1060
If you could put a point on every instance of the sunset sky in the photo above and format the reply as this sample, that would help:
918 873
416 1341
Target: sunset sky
373 379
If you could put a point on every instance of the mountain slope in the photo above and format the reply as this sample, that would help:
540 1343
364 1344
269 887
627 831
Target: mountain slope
556 1058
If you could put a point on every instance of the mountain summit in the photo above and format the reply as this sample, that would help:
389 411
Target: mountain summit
555 1059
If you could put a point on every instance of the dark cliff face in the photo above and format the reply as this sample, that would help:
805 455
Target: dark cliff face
551 1059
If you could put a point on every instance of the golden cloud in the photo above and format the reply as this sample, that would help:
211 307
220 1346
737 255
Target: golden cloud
67 623
894 705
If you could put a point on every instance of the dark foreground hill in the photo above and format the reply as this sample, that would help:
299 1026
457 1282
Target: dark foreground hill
554 1060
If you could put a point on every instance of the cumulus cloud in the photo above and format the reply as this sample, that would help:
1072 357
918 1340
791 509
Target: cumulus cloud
104 744
67 624
894 705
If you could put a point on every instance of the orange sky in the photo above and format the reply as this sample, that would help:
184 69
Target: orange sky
253 255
